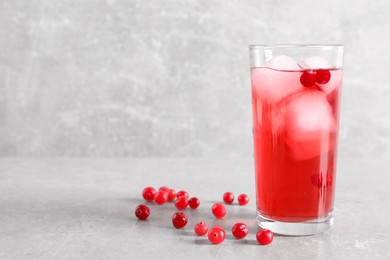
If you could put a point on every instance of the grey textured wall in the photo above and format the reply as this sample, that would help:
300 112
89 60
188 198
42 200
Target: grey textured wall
171 78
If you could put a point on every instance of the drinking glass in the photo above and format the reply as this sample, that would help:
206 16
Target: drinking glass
295 104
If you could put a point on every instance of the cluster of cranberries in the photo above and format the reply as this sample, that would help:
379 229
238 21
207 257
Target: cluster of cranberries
311 77
182 200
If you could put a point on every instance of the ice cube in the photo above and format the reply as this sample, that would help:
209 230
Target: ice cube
282 62
272 85
315 62
309 124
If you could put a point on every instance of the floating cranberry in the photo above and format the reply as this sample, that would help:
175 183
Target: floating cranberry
322 179
322 76
308 78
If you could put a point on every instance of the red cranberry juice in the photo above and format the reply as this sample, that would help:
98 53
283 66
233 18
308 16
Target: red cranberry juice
295 142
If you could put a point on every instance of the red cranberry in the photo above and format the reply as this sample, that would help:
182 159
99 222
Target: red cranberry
308 78
243 199
201 229
194 203
148 193
181 193
316 179
322 76
164 188
216 235
264 236
228 197
239 230
179 220
322 179
171 195
142 212
181 203
219 210
161 197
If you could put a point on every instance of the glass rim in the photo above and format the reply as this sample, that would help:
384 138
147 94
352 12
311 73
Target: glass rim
288 46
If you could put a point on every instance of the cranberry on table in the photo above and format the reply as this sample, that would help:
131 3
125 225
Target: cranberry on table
164 188
239 230
216 235
201 229
181 193
179 220
181 203
142 212
228 197
322 76
243 199
161 197
264 236
148 193
308 78
171 195
218 210
194 203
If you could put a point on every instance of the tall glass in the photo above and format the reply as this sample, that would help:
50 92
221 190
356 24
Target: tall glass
295 103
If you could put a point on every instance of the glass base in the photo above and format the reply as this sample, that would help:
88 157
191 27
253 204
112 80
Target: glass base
303 228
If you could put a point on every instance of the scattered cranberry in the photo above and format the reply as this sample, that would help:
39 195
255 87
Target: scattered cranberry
171 195
161 197
243 199
179 220
322 76
219 210
164 188
182 193
181 203
264 236
148 193
216 235
228 197
194 203
201 229
308 78
239 230
142 212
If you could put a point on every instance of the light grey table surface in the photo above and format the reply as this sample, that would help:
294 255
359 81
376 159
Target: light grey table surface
84 209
